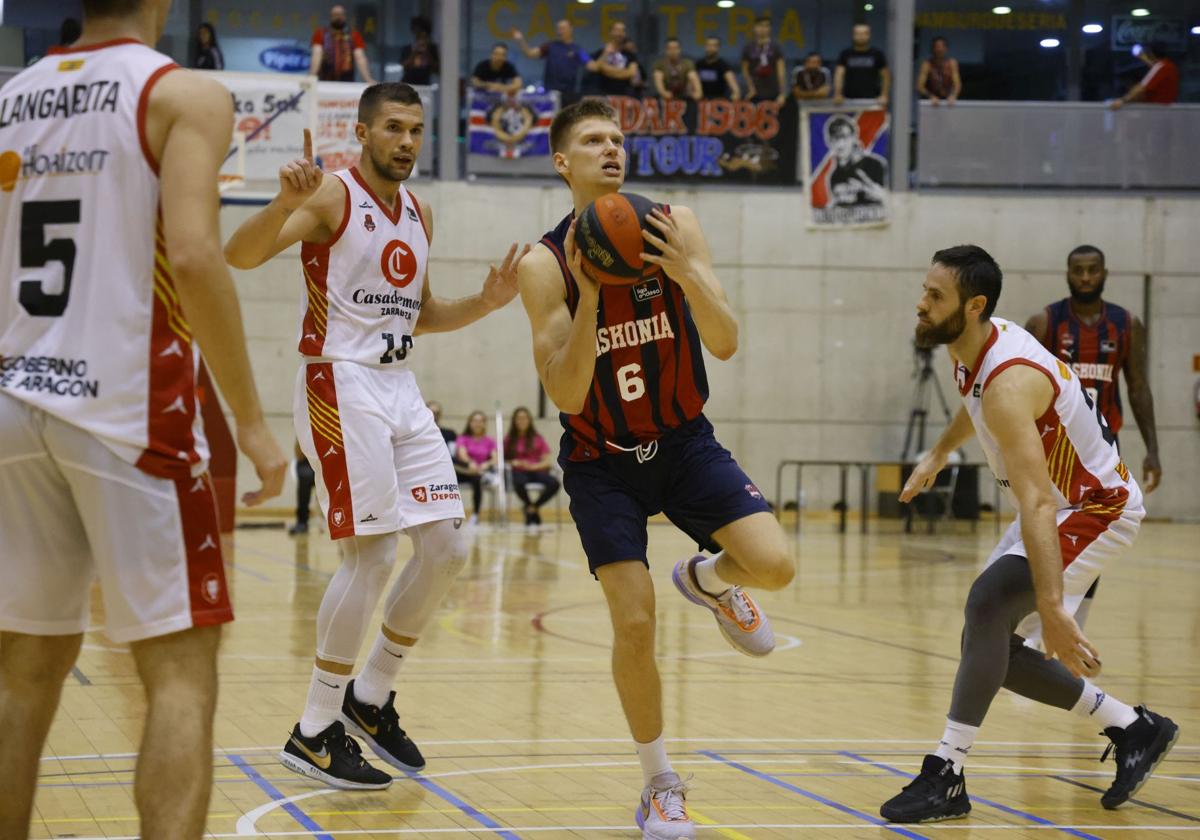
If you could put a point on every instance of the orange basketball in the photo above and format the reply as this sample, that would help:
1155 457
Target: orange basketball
609 238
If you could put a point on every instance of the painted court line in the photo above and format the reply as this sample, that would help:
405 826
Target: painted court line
1006 809
766 777
273 792
468 809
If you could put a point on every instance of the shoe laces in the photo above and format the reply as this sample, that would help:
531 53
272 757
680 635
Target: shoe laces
737 603
672 800
389 719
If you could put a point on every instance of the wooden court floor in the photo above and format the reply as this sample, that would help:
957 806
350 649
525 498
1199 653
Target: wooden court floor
510 698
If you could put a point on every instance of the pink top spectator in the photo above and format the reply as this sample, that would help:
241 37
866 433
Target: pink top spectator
479 449
535 452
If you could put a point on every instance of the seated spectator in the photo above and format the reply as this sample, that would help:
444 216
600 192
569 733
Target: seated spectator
763 66
306 480
1158 87
811 79
938 80
338 49
420 58
496 74
613 68
675 75
862 71
448 435
564 59
717 79
475 458
530 457
208 51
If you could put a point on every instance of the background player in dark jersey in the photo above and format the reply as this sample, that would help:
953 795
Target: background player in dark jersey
636 442
1098 340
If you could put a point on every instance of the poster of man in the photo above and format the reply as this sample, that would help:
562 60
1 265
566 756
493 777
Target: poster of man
845 158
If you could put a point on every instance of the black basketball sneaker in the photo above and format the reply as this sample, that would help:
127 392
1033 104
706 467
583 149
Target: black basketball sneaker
937 794
1139 747
333 758
379 726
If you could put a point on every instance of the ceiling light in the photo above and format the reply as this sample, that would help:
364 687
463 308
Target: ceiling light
1001 10
1196 30
869 7
1140 12
724 4
1049 43
1093 28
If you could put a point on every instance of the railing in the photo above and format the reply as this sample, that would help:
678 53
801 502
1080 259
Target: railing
1058 145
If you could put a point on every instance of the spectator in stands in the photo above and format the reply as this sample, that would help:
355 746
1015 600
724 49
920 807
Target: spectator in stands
496 74
810 80
639 80
420 59
564 59
306 479
614 67
763 66
448 435
530 457
675 74
862 71
938 80
69 32
1158 87
717 79
338 49
208 51
476 458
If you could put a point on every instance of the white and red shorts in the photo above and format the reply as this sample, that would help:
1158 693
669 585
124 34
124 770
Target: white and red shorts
380 460
1089 540
71 511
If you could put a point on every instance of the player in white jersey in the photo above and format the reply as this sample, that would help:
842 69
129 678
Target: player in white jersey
382 466
112 275
1078 509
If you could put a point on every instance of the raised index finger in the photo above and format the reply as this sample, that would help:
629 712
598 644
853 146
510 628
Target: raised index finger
308 154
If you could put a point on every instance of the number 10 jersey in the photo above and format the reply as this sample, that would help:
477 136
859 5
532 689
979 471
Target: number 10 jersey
363 286
91 329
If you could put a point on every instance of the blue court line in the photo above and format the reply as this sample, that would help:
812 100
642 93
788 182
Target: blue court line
778 782
1006 809
299 816
245 570
468 809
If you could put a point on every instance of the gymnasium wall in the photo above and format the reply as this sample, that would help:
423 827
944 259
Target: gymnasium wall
825 363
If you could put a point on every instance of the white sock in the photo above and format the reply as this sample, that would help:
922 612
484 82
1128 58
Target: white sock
374 683
707 577
653 757
956 742
325 694
1106 710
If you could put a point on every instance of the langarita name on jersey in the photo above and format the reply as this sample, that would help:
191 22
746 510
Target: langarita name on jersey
49 374
60 103
633 333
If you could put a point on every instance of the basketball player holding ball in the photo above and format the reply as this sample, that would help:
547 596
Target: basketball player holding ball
623 363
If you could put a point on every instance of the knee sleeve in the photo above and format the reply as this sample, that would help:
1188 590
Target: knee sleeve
352 594
439 554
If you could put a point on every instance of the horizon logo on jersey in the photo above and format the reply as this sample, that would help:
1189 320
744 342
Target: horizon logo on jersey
633 333
398 263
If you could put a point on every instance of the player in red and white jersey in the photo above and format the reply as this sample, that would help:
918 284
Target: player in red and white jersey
1078 509
381 463
113 279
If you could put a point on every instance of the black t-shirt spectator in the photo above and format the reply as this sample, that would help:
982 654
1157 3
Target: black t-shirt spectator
606 85
209 58
485 72
862 72
763 61
712 77
419 65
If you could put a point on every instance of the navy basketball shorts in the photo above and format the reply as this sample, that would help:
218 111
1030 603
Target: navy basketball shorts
686 474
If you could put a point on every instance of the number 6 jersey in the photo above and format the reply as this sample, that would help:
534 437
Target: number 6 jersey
363 286
91 330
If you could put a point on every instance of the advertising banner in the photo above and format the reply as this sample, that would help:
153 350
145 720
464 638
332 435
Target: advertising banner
846 167
510 126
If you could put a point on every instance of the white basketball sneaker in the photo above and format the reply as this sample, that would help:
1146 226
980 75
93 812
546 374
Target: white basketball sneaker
662 813
741 621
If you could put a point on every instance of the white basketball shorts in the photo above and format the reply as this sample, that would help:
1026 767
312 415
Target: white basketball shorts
71 512
380 461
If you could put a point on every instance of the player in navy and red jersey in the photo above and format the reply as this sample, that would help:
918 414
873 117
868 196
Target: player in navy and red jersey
1098 340
625 366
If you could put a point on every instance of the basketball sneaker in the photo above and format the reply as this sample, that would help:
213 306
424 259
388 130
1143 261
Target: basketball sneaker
938 793
741 621
1139 747
333 758
379 726
662 813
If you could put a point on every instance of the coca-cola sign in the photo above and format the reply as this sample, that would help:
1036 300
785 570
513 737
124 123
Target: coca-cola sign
1128 30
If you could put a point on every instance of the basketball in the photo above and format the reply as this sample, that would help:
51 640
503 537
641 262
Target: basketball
609 239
